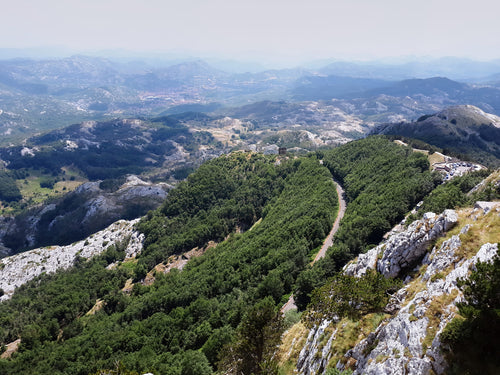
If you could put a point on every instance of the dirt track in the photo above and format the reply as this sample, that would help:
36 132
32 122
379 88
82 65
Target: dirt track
327 243
329 239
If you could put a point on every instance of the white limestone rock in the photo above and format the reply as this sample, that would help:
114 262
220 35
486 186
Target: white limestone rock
398 348
442 257
311 361
99 208
364 262
395 347
18 269
486 206
402 251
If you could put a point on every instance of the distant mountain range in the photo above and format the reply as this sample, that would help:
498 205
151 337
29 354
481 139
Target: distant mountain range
439 90
40 95
454 68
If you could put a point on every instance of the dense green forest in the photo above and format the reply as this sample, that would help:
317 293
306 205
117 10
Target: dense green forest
8 189
268 215
184 321
382 182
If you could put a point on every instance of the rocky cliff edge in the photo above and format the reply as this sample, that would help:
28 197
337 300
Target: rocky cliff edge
430 255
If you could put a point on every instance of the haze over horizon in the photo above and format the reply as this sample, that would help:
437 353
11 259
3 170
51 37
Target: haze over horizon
272 31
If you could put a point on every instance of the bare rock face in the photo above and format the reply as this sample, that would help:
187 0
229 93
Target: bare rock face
408 248
365 262
402 251
80 213
313 360
5 223
486 206
18 269
407 342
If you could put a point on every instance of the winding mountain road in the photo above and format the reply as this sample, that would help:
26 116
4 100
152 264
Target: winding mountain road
327 243
329 239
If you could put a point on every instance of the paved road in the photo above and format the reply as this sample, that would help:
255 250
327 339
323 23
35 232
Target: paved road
326 244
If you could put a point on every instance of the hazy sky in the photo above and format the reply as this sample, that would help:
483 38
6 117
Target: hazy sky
295 29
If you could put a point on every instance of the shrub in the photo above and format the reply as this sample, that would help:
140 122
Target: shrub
349 296
474 336
47 183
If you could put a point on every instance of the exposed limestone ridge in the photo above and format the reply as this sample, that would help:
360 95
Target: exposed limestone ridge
18 269
402 251
314 357
486 206
409 342
87 209
111 204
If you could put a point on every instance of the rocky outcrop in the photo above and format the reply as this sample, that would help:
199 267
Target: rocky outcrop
486 206
314 356
11 348
402 251
78 214
18 269
408 340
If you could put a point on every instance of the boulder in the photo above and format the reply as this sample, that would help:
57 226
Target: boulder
403 250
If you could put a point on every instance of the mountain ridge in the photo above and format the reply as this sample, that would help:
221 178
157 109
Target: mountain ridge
407 340
41 95
459 129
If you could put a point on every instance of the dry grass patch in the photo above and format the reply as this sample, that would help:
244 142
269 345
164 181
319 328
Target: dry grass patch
349 333
463 219
129 285
255 224
381 358
413 288
483 230
436 309
292 343
436 158
99 304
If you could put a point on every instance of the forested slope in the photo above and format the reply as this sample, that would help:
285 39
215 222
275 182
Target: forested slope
220 311
382 182
181 323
